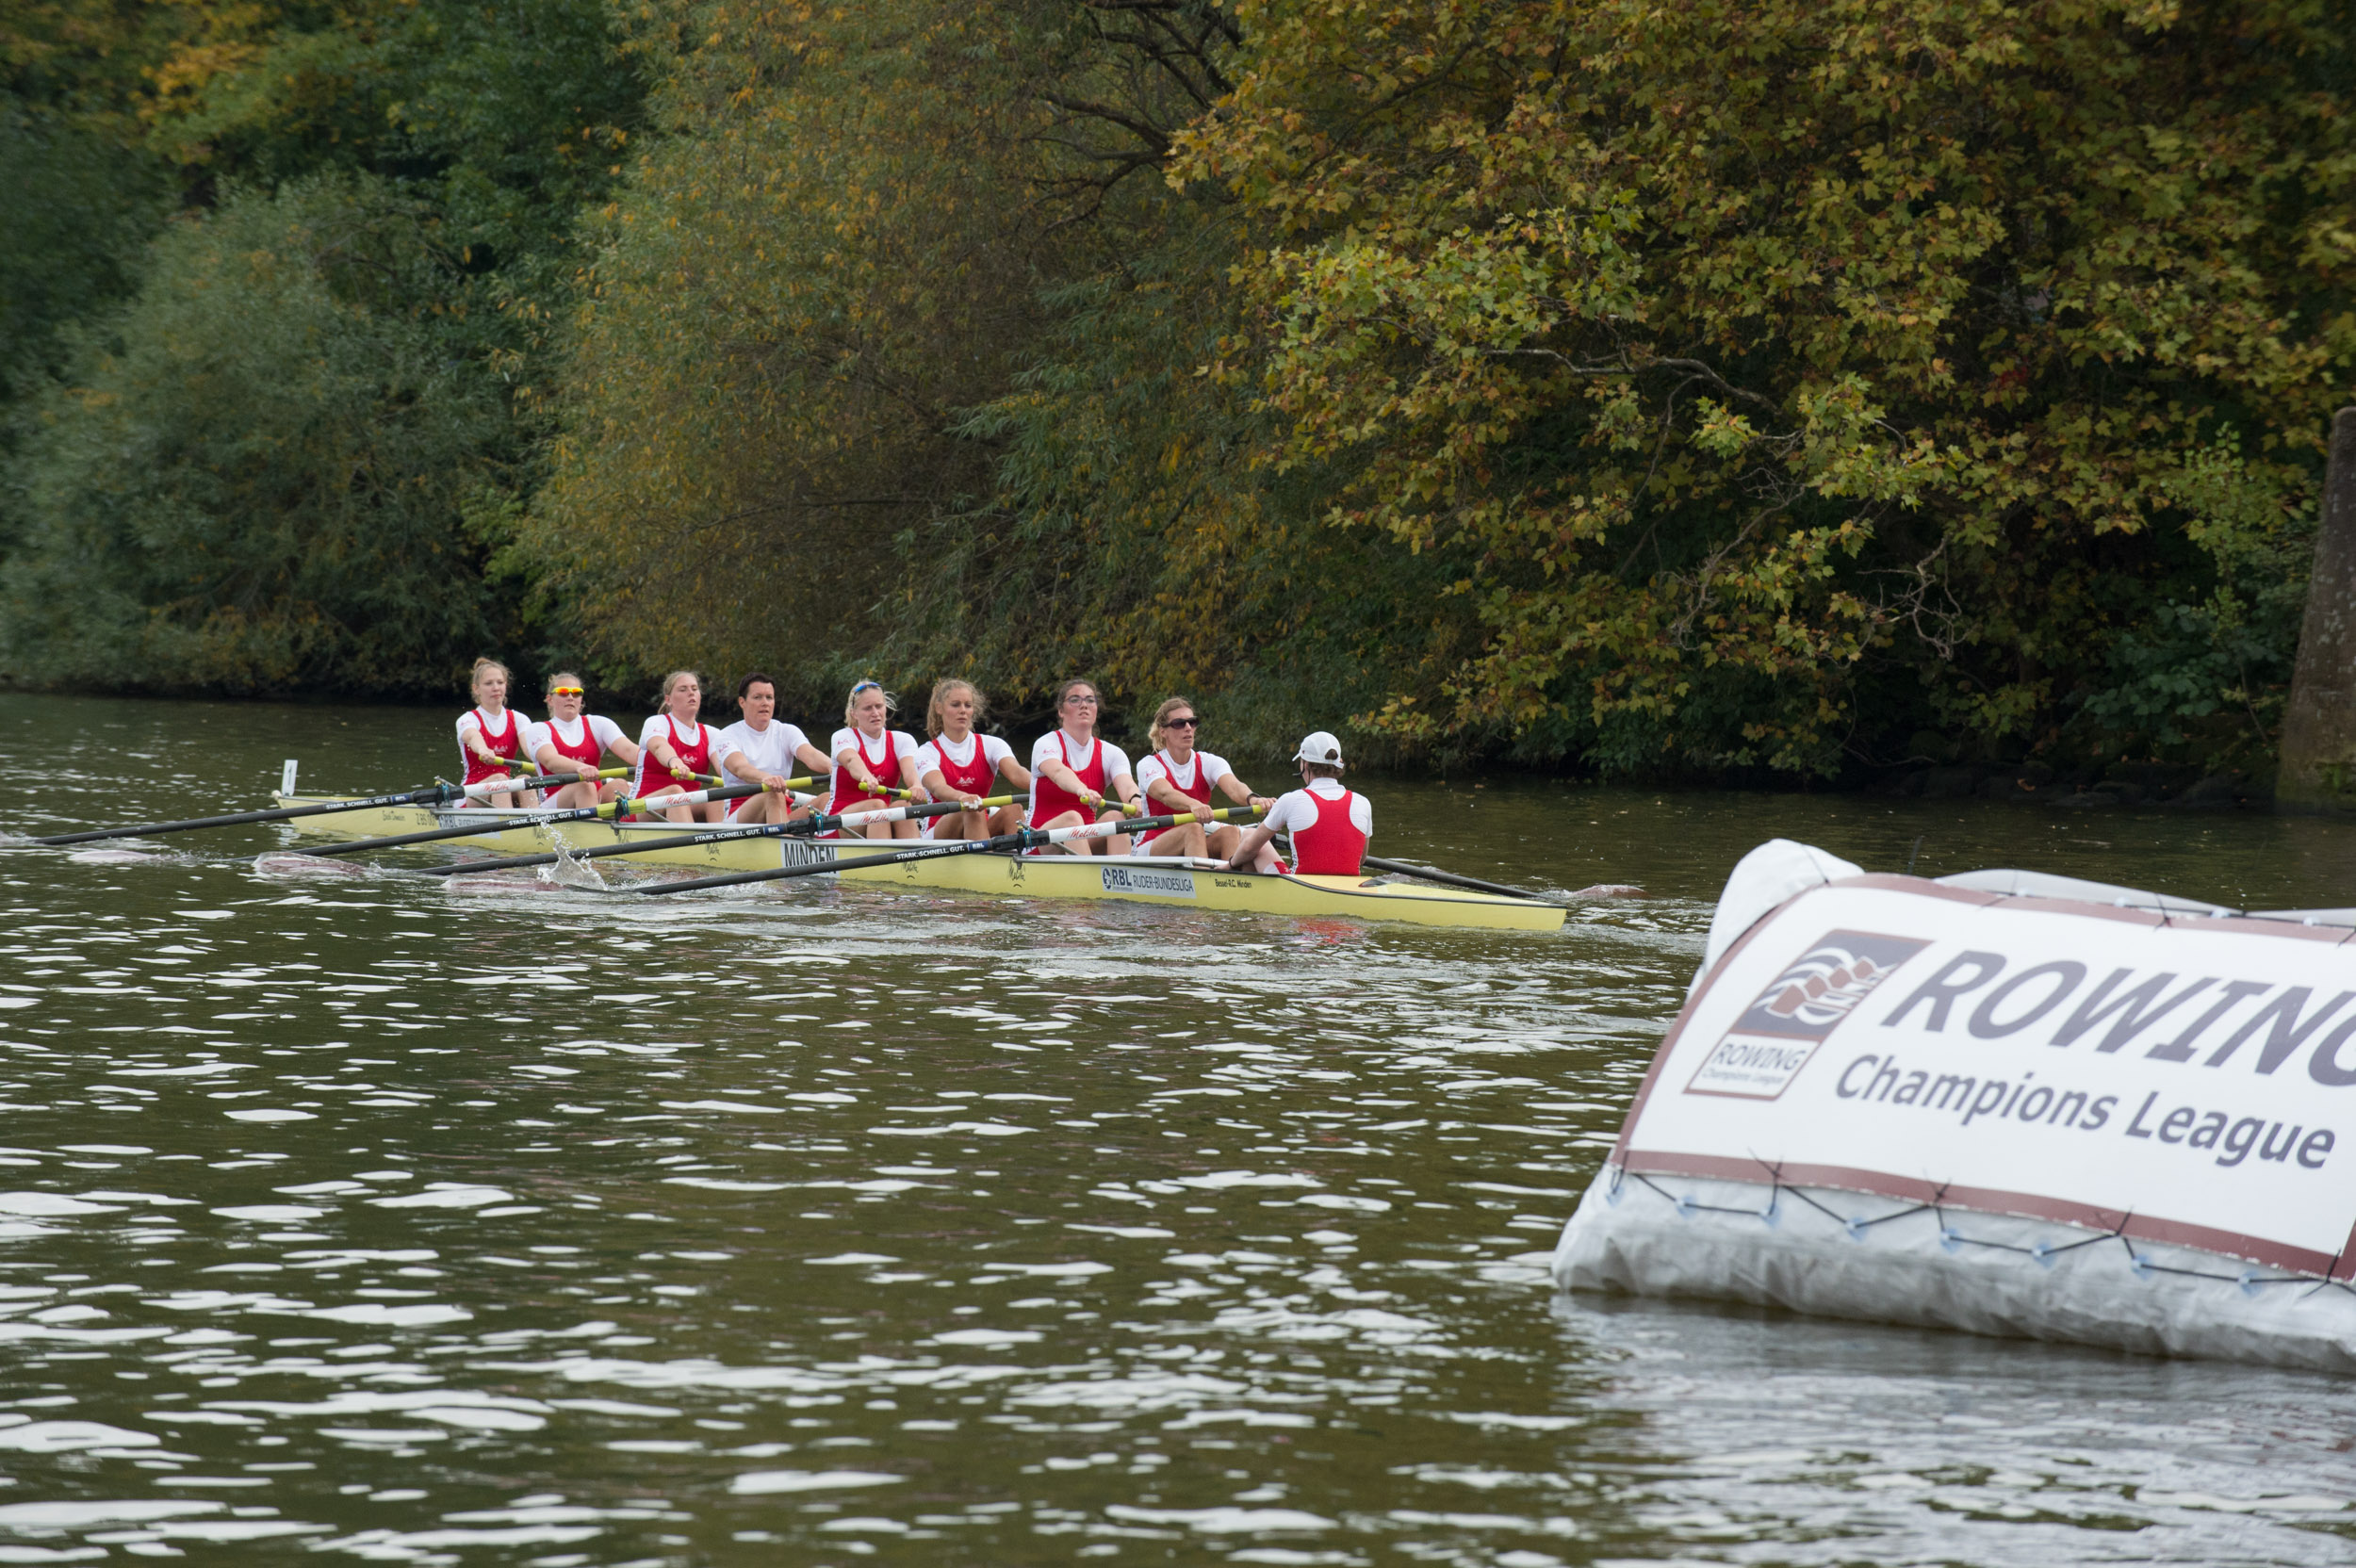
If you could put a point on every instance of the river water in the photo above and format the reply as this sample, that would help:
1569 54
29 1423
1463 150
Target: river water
409 1222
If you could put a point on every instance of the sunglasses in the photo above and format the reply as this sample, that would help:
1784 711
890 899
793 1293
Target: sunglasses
1188 723
867 686
568 691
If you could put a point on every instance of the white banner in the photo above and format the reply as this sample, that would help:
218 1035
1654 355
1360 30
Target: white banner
2190 1080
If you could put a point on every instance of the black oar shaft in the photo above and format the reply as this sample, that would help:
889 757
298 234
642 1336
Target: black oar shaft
682 841
238 819
435 794
1022 838
1450 878
470 830
828 868
500 824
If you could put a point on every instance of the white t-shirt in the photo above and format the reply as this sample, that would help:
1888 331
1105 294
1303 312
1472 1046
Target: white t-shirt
1044 750
1293 809
569 731
903 744
1157 765
472 720
769 750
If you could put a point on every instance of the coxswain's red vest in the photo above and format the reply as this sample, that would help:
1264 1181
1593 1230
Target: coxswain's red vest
1198 791
887 772
1332 847
1050 800
506 742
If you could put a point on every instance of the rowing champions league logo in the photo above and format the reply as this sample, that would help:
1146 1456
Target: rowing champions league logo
1781 1029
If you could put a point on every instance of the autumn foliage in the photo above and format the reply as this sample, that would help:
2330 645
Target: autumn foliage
1725 389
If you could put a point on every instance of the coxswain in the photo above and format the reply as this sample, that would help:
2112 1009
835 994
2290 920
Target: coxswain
758 749
573 741
1078 778
1177 777
491 735
871 759
957 764
676 750
1330 825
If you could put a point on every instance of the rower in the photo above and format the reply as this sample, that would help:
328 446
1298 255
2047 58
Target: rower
758 750
957 764
676 749
1330 825
1073 770
1177 778
870 758
576 742
490 735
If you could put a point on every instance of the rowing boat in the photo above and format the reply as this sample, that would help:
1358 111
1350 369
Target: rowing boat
1164 880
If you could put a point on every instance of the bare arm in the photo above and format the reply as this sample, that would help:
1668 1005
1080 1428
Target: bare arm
1248 852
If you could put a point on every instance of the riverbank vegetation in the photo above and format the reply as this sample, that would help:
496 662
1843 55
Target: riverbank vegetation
1765 389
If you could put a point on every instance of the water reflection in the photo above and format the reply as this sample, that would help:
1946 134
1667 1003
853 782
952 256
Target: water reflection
421 1222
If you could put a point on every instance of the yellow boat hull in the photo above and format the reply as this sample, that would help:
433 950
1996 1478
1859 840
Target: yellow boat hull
1120 879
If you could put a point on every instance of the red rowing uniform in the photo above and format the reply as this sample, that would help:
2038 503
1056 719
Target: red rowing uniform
886 770
1333 846
1050 800
1196 786
695 758
967 778
506 742
586 753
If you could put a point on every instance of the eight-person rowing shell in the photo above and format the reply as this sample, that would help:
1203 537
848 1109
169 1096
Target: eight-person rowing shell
1178 778
957 763
1075 777
1078 778
1331 826
760 749
573 741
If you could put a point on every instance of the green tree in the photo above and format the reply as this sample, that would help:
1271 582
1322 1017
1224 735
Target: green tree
1797 375
250 479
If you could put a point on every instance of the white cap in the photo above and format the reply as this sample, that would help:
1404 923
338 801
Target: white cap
1321 748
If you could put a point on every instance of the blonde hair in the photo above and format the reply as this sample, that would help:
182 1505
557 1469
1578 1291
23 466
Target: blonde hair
1169 706
474 680
850 704
670 683
563 677
942 689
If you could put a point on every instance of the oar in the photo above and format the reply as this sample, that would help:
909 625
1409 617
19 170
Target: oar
715 835
435 794
1403 867
1022 838
534 819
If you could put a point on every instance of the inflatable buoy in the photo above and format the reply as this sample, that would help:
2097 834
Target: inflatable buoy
2002 1101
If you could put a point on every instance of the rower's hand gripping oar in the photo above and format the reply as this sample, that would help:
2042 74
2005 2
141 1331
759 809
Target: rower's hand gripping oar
535 819
435 794
1020 839
717 835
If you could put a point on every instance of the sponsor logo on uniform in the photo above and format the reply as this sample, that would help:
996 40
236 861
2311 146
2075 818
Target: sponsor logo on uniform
1154 884
1797 1010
